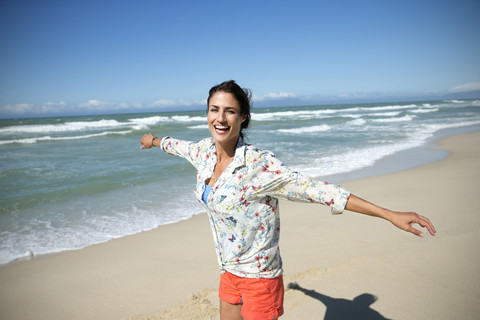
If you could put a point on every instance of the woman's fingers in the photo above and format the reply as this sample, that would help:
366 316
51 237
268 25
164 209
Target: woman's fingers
406 220
146 141
426 223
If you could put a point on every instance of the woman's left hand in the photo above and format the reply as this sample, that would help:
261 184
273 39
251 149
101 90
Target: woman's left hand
402 220
406 220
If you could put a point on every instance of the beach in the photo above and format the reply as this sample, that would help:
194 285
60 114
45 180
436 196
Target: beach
338 267
71 182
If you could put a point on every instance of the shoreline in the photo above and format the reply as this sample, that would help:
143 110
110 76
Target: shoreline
403 160
136 277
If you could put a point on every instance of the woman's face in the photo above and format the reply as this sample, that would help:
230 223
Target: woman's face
224 118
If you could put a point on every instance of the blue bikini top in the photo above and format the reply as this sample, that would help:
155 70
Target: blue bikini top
206 192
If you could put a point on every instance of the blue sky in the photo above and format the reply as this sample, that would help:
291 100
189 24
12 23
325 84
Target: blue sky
87 57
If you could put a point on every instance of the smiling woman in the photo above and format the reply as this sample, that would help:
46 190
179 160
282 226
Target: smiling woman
242 99
239 186
225 119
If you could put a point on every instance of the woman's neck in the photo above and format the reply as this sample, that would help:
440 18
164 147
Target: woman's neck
225 151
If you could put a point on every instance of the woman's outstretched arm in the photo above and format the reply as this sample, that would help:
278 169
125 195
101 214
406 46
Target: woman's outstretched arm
402 220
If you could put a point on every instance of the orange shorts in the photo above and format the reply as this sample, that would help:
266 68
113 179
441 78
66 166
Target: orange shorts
261 298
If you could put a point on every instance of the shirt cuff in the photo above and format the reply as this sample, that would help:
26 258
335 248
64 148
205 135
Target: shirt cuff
339 207
162 143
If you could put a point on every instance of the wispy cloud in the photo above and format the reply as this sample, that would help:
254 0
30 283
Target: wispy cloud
92 106
48 107
108 106
19 108
467 87
168 103
275 96
25 109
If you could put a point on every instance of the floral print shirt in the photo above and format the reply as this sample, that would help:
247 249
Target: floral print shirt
243 204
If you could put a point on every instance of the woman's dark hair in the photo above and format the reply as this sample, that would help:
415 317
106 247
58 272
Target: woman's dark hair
242 95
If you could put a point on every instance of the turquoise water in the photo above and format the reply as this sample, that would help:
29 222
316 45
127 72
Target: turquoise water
70 182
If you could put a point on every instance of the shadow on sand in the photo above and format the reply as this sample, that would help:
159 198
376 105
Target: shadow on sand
343 309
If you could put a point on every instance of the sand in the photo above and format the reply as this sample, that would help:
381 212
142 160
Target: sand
339 267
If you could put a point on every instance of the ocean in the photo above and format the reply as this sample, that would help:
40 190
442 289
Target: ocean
71 182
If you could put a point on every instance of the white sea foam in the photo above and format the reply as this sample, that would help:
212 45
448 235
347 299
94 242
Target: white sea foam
394 107
312 129
111 217
317 114
189 119
354 159
22 134
454 101
461 103
134 124
150 120
384 114
355 116
200 126
432 128
428 105
347 161
64 127
425 110
399 119
49 138
378 108
300 114
357 122
350 160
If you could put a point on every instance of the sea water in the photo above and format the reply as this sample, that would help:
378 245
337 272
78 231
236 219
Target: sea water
70 182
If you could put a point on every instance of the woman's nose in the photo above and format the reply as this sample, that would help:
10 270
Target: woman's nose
220 117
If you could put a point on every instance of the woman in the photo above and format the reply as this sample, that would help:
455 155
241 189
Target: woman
239 185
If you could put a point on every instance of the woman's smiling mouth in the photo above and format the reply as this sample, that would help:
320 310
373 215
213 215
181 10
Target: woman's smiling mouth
221 129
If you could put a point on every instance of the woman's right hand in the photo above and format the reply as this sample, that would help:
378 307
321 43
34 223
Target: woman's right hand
147 141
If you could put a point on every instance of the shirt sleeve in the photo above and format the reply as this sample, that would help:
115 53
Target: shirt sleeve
191 151
284 183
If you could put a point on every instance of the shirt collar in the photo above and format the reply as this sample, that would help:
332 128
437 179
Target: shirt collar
239 158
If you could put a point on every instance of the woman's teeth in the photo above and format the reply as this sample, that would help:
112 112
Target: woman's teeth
221 128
